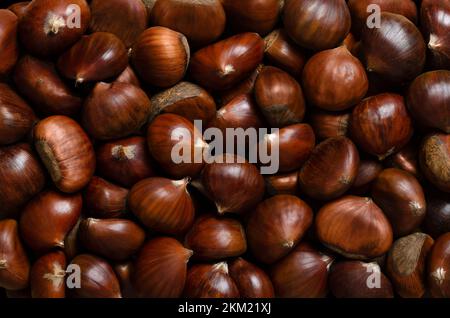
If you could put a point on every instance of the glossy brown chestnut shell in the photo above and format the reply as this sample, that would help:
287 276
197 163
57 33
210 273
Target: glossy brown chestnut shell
163 205
48 276
334 80
48 218
435 160
437 221
368 171
105 200
19 8
224 64
214 238
316 24
330 170
354 227
160 268
438 267
280 97
329 124
286 183
276 226
406 159
381 125
9 51
66 151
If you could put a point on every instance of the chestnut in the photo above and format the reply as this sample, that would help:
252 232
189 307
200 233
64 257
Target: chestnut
214 238
381 125
224 64
98 279
47 27
19 8
66 151
94 57
160 269
126 19
105 200
354 227
162 205
286 183
251 281
128 76
429 99
252 15
401 197
279 97
434 160
210 281
329 124
276 226
330 169
72 245
396 50
281 52
406 159
303 273
9 51
356 279
21 176
218 178
295 144
48 218
115 111
40 83
16 117
438 268
437 220
368 171
161 56
316 24
201 21
126 161
406 264
123 272
185 99
14 263
48 276
116 239
334 80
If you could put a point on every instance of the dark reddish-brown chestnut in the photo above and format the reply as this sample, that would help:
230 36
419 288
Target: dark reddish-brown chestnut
163 205
9 51
316 24
214 238
48 218
406 264
123 271
406 159
115 111
210 281
116 239
329 124
161 56
14 263
21 177
330 170
40 83
126 19
97 279
285 183
187 100
303 273
434 160
66 151
354 227
381 125
19 8
356 279
72 246
160 268
49 27
429 99
334 80
251 281
128 76
16 117
177 145
437 220
401 197
125 161
105 200
368 171
95 57
224 64
201 21
48 276
395 51
438 268
276 226
280 97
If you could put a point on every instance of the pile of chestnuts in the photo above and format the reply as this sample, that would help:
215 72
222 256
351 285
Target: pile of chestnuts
92 203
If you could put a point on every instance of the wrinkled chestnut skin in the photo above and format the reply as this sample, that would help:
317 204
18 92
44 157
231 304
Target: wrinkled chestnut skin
434 160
